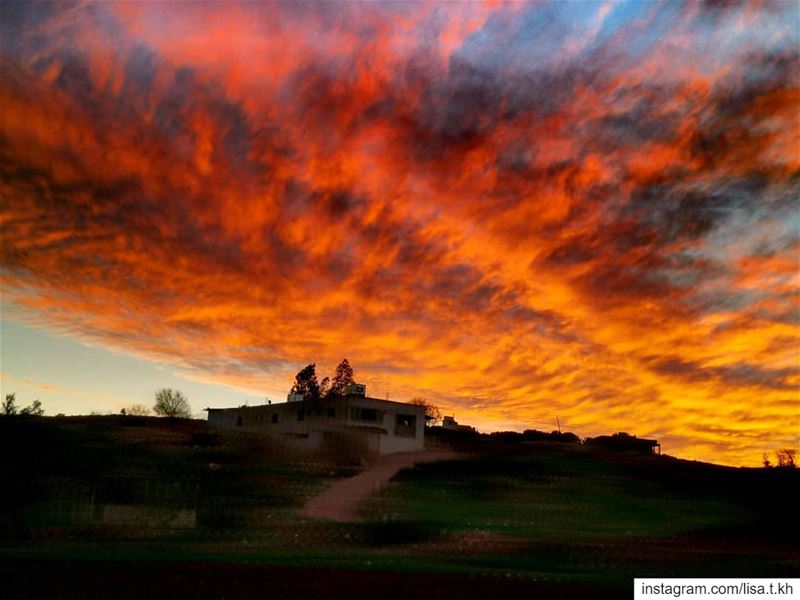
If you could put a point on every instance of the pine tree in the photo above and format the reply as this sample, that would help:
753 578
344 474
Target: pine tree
341 379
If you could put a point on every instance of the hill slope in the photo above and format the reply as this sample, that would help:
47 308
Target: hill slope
171 491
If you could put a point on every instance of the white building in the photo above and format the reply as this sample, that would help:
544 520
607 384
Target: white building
352 419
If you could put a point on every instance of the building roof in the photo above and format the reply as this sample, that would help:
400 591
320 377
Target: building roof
389 404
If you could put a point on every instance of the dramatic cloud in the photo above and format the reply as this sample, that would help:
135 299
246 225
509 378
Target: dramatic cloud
521 211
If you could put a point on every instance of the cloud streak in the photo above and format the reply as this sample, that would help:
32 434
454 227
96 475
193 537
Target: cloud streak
517 210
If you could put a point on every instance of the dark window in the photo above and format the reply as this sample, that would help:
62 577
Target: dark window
301 414
274 417
238 421
331 412
405 425
364 414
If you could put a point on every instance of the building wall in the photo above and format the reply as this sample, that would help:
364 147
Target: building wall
382 426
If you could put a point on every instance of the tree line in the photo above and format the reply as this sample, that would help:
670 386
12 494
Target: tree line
313 390
9 407
169 403
785 458
307 384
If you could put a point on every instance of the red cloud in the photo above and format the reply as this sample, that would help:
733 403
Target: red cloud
244 191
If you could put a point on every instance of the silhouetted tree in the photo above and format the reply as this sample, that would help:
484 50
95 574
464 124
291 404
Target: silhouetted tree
138 410
506 436
786 458
341 379
305 382
34 410
171 403
325 387
765 460
534 435
433 416
10 405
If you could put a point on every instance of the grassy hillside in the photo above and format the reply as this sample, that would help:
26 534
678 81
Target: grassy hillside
164 491
563 512
133 477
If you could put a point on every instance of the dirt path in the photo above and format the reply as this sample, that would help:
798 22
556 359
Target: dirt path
340 502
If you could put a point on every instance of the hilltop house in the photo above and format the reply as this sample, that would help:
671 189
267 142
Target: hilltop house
373 425
450 424
624 442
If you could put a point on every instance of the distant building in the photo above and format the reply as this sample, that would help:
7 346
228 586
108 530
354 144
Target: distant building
451 424
355 389
624 442
375 425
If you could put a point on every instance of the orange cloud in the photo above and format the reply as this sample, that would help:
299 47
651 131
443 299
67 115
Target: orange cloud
438 195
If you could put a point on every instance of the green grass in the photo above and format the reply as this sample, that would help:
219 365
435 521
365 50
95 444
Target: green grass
554 512
566 497
61 473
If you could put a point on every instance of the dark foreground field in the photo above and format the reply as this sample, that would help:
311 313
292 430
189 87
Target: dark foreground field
126 580
132 507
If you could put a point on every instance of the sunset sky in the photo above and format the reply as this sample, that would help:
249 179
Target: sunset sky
520 211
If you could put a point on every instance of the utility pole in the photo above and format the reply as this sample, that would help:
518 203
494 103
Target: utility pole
559 424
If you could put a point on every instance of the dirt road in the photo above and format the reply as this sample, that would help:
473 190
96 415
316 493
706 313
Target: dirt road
340 502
